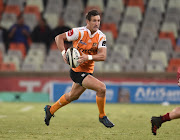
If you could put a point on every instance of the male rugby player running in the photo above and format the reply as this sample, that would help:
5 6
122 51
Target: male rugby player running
91 43
174 114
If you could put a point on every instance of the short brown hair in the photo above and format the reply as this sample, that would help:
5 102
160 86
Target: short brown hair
91 13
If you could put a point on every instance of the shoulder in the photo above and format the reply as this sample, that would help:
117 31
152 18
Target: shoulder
74 33
79 29
101 34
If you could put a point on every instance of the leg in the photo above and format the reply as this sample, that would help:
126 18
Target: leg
157 121
175 113
74 94
91 82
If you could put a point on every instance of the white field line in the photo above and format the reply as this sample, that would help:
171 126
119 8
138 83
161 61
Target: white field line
3 116
27 108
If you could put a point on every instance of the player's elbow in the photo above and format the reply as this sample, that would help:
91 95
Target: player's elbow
56 38
60 37
103 57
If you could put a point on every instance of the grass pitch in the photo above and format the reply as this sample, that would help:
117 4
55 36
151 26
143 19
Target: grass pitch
80 122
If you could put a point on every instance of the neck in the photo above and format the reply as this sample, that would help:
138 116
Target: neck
92 32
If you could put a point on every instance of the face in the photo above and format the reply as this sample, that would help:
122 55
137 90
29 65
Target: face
21 20
94 23
41 22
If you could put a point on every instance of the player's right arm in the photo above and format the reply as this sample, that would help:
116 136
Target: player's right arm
59 39
71 35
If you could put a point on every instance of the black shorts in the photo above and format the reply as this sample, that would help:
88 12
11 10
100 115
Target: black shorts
78 77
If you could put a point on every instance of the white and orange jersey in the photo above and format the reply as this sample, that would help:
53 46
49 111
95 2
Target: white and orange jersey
88 43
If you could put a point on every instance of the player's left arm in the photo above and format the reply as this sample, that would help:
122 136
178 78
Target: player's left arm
100 56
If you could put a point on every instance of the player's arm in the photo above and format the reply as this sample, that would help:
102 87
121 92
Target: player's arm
59 39
100 56
67 36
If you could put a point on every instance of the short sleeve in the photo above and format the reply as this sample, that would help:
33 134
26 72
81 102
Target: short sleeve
72 34
102 42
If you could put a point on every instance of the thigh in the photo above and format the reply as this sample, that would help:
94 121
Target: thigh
76 90
90 82
78 77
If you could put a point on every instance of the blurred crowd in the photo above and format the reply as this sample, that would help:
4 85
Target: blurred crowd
142 35
20 32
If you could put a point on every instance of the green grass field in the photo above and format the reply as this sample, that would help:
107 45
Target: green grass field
80 122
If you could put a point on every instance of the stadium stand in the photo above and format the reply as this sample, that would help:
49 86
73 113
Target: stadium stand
7 20
142 35
19 3
18 46
38 3
7 67
12 59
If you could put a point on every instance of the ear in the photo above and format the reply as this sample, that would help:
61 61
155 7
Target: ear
87 21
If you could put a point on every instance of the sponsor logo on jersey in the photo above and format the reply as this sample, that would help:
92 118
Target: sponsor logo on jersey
87 51
70 32
94 45
82 42
104 43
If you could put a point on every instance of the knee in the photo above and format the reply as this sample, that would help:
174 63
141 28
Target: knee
102 90
177 110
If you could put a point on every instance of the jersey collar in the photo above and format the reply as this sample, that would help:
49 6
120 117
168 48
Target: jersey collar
89 32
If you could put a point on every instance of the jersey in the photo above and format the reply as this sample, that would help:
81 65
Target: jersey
88 43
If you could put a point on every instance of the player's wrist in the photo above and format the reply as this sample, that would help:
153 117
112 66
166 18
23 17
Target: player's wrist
90 57
63 52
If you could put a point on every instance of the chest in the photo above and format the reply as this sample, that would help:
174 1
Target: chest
89 45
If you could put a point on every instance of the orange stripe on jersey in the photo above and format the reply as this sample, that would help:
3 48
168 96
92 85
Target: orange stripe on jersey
75 43
101 38
88 46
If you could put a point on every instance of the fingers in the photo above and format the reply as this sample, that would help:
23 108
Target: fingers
80 61
82 52
65 60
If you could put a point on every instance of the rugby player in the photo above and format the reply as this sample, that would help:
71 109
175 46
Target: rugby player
156 122
91 43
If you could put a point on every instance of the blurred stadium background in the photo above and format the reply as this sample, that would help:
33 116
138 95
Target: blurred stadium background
143 44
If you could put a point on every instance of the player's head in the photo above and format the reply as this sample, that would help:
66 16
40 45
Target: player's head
93 20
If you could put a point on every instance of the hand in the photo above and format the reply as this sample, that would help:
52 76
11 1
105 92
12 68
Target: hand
83 58
14 29
25 32
64 57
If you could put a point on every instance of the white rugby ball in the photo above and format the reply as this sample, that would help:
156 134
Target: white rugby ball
72 56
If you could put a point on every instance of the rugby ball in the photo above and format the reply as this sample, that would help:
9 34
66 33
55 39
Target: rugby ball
72 56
